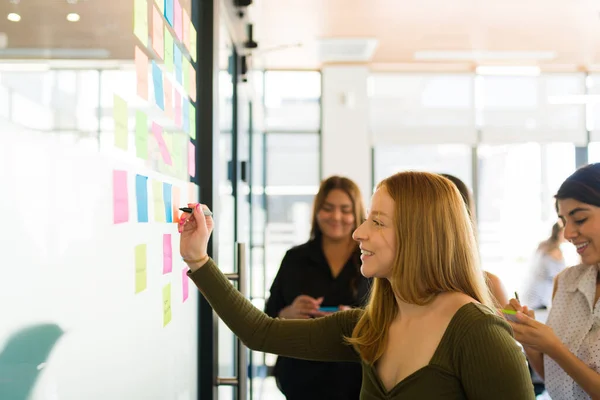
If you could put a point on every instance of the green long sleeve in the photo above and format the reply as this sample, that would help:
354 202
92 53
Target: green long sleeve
319 339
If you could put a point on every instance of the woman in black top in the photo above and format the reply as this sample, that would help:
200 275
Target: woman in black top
324 272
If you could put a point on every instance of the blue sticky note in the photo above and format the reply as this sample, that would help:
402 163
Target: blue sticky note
186 115
177 61
169 11
168 202
141 195
159 93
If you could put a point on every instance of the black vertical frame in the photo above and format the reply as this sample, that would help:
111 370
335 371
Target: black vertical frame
203 16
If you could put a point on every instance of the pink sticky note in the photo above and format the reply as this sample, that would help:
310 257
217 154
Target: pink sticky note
167 254
178 20
120 197
158 35
168 88
141 69
177 108
185 284
192 88
186 30
191 159
157 132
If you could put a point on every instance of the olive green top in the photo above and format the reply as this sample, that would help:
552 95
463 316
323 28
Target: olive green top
477 357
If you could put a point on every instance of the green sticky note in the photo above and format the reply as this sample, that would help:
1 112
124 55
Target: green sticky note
192 121
168 51
186 72
141 135
120 117
140 268
159 205
140 21
166 304
193 41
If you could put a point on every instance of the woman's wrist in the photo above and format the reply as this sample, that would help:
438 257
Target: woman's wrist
197 263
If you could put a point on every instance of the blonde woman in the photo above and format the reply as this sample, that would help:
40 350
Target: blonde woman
428 331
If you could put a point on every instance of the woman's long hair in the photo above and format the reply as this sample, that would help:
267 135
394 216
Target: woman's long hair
436 252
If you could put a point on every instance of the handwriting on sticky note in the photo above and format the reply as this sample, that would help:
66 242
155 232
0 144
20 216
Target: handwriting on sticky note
158 39
167 200
185 284
120 197
157 197
141 73
140 21
167 254
157 132
141 275
141 135
166 304
191 159
157 80
120 112
141 196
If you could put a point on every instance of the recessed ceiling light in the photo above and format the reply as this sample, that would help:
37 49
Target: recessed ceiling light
73 17
14 17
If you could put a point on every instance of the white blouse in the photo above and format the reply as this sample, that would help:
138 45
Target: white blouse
576 321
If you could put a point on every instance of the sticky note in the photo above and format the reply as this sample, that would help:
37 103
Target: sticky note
191 159
186 114
120 197
175 205
157 132
185 64
185 284
168 11
141 197
141 135
192 117
177 60
168 201
166 304
192 192
193 42
177 20
167 254
161 5
168 97
186 29
177 108
178 149
120 117
192 83
140 21
168 51
141 73
157 79
158 39
157 197
141 276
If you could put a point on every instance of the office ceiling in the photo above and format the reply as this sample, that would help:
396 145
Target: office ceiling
424 35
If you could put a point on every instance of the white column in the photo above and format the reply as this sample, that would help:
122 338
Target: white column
345 136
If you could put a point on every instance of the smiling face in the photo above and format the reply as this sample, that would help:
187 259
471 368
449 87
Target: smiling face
377 237
582 228
336 216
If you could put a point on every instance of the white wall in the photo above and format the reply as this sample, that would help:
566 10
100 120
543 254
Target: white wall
346 144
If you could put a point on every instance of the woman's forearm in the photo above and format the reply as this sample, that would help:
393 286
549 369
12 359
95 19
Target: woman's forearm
584 376
536 360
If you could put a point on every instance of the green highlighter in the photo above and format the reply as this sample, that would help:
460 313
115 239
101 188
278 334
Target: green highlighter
510 315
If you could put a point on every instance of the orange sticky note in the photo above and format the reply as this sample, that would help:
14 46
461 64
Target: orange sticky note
175 204
168 96
186 30
141 69
158 36
192 88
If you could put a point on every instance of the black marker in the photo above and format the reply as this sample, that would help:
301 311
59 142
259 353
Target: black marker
190 210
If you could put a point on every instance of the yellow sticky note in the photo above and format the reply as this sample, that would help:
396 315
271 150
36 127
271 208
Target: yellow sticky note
120 117
159 204
168 51
166 304
161 6
193 41
140 21
140 268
